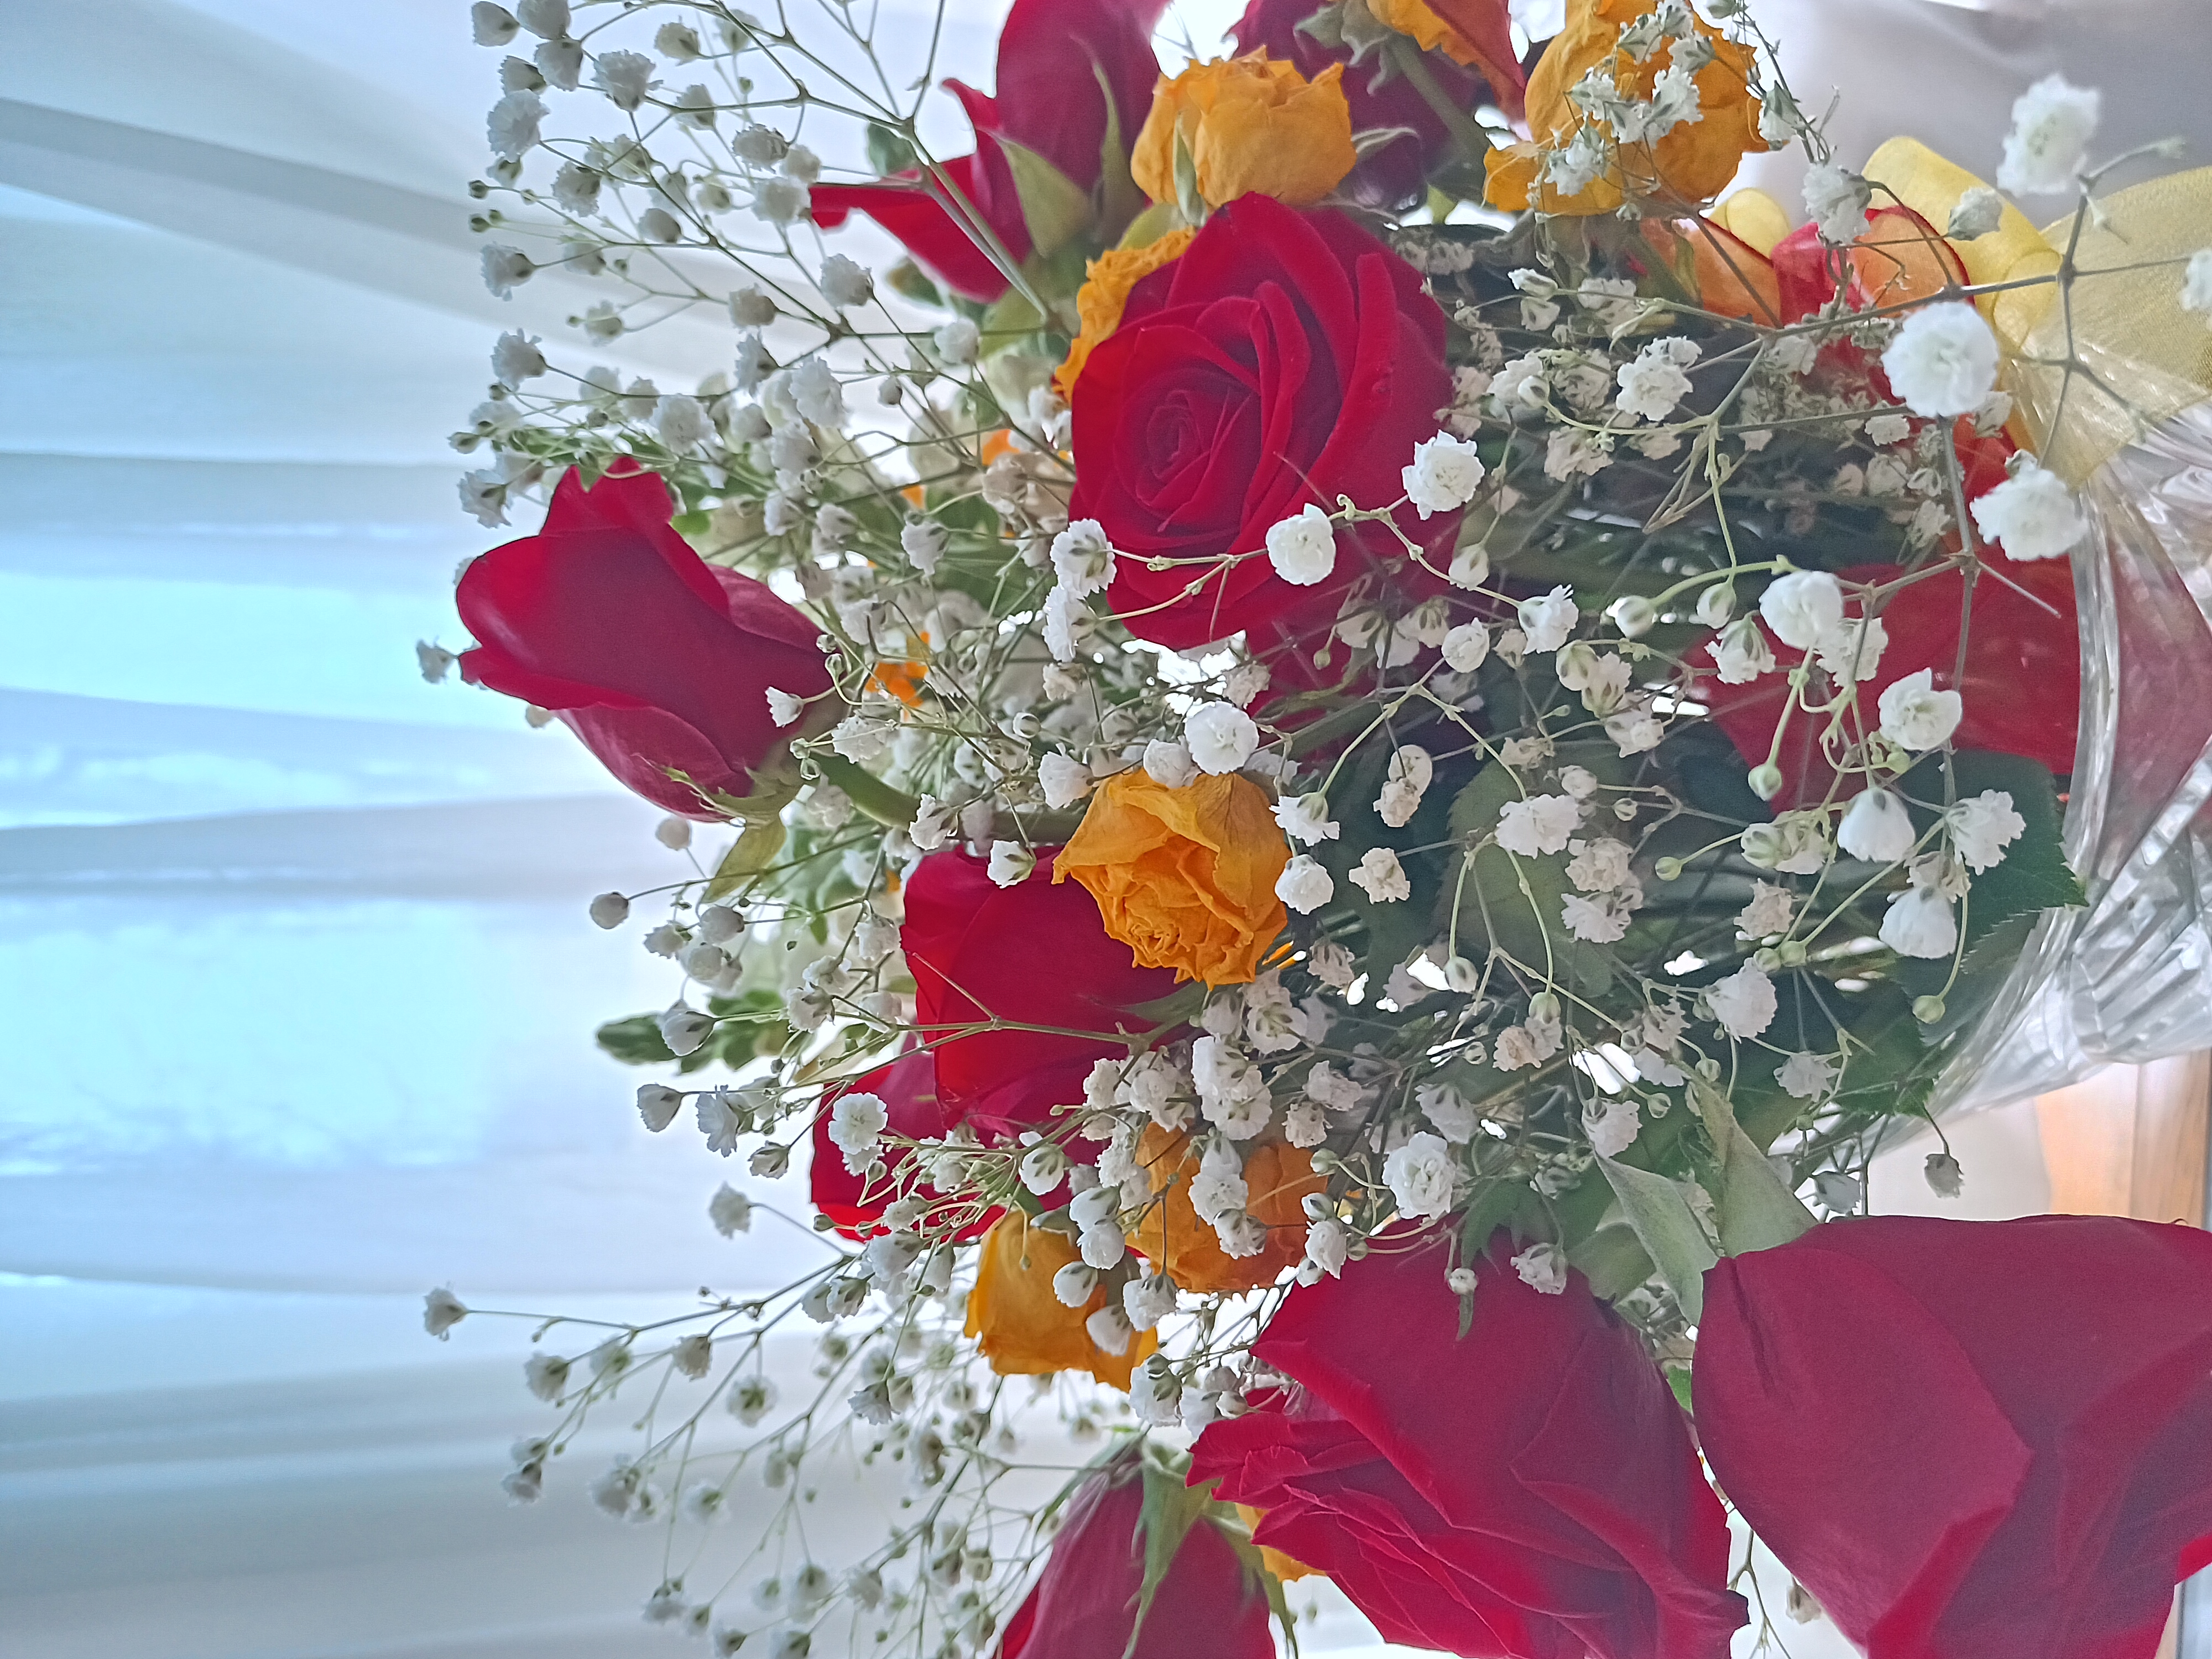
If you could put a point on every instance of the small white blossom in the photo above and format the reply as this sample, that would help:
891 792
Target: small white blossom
783 707
1044 1167
1169 763
1064 779
1148 1299
1804 1076
1599 865
1109 1330
1740 653
1943 360
1410 772
1851 650
1836 199
1802 606
1944 1176
1542 1267
1380 877
1600 921
1744 1003
957 342
512 126
1548 620
1421 1175
1304 885
491 25
1082 558
2032 514
2052 123
1010 863
1445 474
730 1211
515 358
505 269
1538 825
857 1122
442 1311
680 422
1304 818
1303 549
1653 384
1220 737
1328 1245
1768 913
1982 827
1919 923
780 201
845 282
932 825
1877 828
1611 1124
545 1376
1917 716
625 76
685 1029
1531 1044
1465 647
1978 212
658 1104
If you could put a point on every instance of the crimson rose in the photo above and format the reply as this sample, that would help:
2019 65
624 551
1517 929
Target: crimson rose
1085 1605
1051 54
1976 1439
660 662
1527 1490
1399 171
1033 954
1284 358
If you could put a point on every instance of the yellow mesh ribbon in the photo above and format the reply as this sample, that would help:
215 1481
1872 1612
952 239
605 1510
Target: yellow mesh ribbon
2146 359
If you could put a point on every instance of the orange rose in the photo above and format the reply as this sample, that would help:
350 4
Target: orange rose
1277 1178
1026 1330
1691 163
1185 878
1107 281
1252 127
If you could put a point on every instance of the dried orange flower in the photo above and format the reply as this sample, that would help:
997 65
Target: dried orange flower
1277 1178
1690 162
1252 126
1106 284
1185 878
1025 1330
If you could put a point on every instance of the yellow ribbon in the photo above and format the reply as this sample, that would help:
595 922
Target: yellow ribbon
2147 359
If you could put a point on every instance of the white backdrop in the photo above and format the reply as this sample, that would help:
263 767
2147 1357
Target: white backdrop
296 982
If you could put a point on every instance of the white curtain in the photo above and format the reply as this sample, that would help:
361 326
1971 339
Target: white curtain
296 982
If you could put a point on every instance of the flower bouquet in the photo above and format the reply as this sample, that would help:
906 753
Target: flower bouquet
1364 752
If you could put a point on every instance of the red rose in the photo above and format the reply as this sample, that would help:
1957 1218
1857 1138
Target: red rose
1085 1605
660 662
1284 358
1034 955
1976 1439
908 1088
1399 171
1528 1490
1048 102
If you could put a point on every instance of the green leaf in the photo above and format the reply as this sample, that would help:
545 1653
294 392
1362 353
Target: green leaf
1055 207
888 152
1614 1259
635 1041
691 523
1119 201
1513 902
752 852
1657 1209
1757 1210
1187 198
908 280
